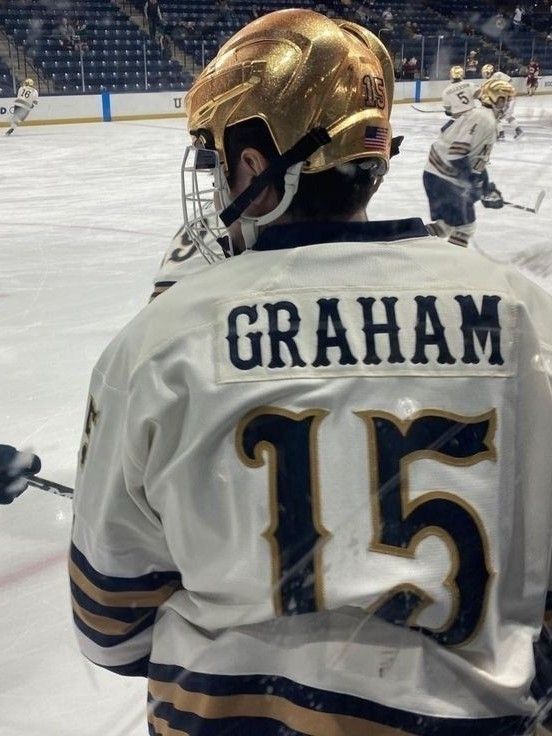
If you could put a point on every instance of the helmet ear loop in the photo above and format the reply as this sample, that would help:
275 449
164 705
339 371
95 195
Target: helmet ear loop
250 225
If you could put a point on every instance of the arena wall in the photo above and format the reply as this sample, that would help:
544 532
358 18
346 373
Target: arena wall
107 107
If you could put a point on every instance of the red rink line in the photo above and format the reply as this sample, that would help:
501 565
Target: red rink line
33 569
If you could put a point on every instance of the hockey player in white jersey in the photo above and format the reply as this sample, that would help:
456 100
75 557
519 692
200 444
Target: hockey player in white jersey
459 92
507 118
27 98
455 175
314 485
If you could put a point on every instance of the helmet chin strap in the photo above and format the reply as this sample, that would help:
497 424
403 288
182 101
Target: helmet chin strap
297 154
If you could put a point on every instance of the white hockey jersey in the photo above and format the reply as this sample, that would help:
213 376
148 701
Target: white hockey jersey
458 96
27 97
183 258
315 491
470 137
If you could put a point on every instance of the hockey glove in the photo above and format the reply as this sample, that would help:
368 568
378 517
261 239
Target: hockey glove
492 198
15 468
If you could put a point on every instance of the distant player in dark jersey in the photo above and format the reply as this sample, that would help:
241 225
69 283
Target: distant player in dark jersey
533 70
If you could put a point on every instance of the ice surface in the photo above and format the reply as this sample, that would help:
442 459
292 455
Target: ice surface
86 212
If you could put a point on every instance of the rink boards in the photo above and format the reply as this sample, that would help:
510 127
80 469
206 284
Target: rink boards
143 105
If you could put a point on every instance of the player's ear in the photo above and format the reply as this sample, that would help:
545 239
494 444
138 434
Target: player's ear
252 163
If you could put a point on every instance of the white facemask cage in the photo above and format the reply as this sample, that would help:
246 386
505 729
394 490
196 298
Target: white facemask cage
204 194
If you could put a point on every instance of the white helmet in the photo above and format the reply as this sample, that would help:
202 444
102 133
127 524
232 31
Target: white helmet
28 83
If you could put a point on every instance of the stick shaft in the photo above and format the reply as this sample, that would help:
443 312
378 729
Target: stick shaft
520 207
47 485
534 209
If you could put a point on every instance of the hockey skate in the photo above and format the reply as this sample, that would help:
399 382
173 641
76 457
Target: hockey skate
501 136
518 132
9 131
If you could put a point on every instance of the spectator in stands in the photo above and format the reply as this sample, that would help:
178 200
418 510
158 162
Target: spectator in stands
410 68
165 40
499 23
398 64
152 14
82 35
363 13
65 33
472 65
387 16
518 18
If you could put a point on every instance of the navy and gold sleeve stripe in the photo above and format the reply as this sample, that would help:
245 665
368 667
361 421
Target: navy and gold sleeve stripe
440 165
184 702
111 610
460 148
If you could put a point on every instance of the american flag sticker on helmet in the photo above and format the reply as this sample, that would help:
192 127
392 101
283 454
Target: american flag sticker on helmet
375 139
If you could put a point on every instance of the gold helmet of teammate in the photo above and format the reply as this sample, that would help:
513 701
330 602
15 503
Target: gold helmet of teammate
28 83
456 73
496 93
322 88
487 71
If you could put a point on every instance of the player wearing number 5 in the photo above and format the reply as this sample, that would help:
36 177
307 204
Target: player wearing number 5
315 497
27 98
455 175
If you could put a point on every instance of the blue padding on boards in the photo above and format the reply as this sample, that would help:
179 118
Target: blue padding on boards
106 106
417 90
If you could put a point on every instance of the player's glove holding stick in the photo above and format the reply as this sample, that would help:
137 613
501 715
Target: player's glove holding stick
15 470
492 198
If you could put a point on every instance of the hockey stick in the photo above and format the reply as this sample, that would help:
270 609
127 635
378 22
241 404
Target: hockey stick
421 109
47 485
534 209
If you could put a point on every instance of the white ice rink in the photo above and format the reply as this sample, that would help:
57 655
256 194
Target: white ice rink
86 212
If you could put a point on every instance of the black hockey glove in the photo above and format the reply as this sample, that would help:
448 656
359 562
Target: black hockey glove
492 198
15 468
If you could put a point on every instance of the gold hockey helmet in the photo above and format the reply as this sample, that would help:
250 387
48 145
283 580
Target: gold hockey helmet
496 93
487 71
456 73
28 83
297 71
